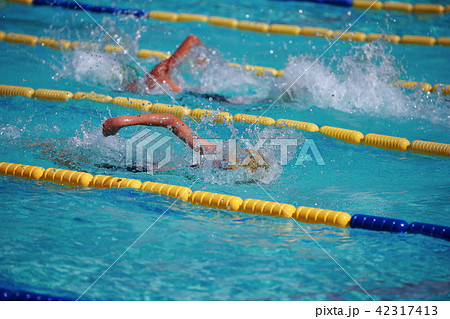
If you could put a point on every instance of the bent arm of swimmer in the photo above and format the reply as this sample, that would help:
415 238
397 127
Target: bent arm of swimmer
160 73
178 127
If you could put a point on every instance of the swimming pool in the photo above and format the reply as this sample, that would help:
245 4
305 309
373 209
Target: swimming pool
58 240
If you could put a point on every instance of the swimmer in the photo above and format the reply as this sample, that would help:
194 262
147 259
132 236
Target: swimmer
161 72
111 126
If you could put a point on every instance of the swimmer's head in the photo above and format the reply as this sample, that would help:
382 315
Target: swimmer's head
250 159
243 157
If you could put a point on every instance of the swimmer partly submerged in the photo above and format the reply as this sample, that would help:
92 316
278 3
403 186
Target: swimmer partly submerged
112 125
160 74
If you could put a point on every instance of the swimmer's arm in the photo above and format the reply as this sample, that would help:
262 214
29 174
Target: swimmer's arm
178 127
183 49
160 73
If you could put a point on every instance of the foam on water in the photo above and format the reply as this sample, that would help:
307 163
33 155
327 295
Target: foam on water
97 68
360 82
85 151
9 131
89 64
205 71
111 149
266 142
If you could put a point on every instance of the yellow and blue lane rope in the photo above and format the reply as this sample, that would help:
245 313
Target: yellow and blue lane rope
246 25
386 5
360 4
82 6
227 202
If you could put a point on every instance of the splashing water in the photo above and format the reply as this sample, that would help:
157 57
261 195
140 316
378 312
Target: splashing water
87 150
89 64
361 82
97 68
267 143
107 150
205 71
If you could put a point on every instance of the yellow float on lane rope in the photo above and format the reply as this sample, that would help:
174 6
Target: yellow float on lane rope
214 200
11 90
387 142
24 171
321 216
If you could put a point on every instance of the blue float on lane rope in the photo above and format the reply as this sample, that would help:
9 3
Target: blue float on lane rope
8 295
378 223
431 230
92 8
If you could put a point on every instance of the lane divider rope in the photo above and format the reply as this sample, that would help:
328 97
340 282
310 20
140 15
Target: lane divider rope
226 202
387 5
254 26
401 6
21 295
360 4
350 136
29 39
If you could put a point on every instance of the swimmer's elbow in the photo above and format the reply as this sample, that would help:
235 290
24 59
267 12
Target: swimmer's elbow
194 39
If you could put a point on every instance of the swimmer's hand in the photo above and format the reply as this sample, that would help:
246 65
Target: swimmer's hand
110 127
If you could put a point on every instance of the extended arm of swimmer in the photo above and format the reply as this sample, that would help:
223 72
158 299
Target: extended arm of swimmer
160 72
178 127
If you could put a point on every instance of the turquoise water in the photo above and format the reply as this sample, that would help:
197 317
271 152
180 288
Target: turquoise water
58 240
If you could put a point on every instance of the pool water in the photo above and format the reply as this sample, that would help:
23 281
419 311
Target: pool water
58 240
